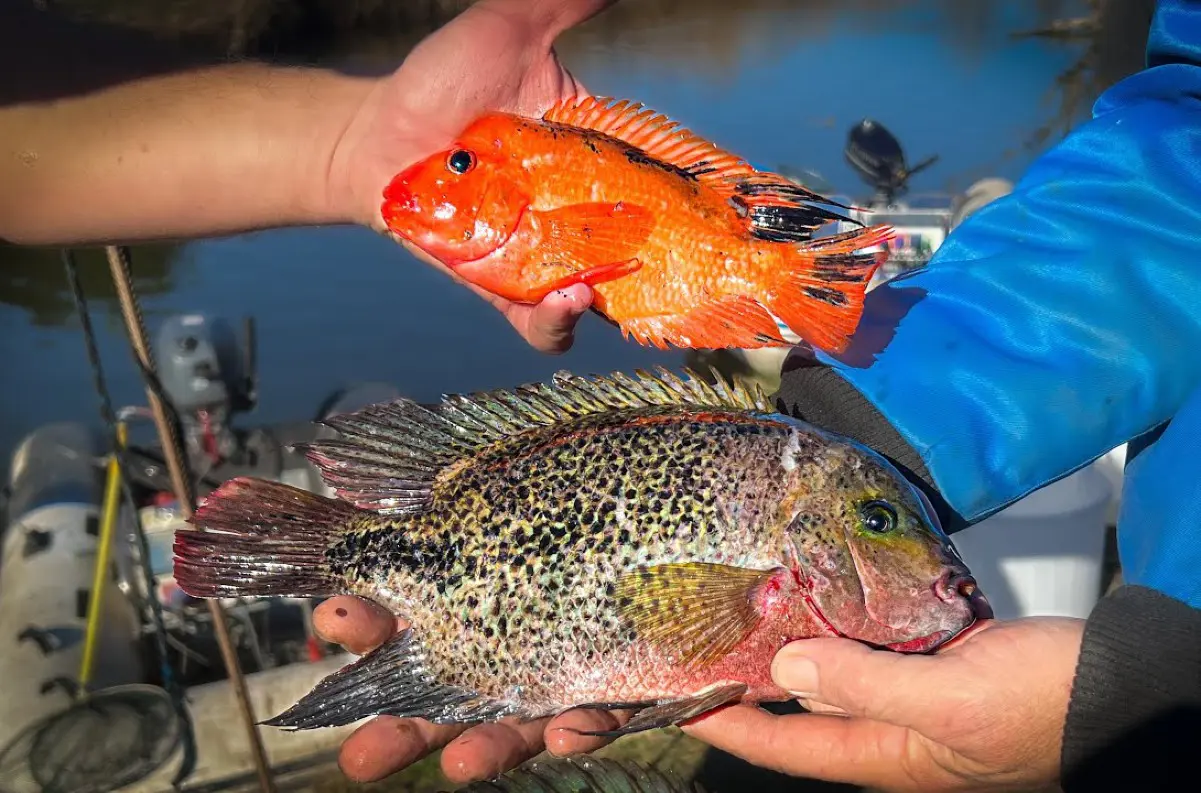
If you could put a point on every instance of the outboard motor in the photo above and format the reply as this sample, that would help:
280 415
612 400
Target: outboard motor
877 156
208 375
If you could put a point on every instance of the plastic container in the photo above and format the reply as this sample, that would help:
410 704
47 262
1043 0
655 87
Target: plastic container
1043 555
1113 466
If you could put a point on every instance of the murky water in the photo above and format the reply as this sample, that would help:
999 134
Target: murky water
779 82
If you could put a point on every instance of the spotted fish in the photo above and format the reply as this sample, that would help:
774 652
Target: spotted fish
644 542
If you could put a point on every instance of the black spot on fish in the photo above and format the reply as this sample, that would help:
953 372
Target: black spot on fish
829 296
639 157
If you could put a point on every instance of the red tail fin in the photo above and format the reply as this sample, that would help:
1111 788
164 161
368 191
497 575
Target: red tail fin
820 291
261 538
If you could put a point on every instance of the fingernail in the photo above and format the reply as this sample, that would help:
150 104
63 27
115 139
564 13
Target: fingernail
795 674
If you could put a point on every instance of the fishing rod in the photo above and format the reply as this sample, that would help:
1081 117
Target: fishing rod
119 466
177 467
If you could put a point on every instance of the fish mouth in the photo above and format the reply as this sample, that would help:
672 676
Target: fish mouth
924 644
955 585
951 585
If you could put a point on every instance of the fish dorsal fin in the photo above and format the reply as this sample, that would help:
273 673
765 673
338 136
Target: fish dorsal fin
393 455
776 208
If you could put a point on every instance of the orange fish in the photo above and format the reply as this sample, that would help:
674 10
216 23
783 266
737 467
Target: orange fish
684 244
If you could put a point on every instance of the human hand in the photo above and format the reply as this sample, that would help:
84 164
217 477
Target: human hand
386 745
985 712
496 55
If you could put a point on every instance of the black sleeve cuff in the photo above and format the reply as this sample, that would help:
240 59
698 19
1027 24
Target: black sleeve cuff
816 394
1134 718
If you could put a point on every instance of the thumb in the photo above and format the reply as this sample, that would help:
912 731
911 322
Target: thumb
875 684
550 325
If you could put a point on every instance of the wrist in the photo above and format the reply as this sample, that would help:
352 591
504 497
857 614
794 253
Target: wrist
328 188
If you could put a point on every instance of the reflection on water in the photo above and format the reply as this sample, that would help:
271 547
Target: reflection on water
33 280
779 81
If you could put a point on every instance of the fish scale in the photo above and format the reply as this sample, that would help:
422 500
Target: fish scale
648 541
663 470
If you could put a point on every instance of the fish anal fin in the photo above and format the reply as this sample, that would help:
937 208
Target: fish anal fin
586 774
820 290
391 680
676 711
731 321
392 456
774 207
693 613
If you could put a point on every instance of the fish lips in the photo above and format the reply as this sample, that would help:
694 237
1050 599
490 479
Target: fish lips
948 588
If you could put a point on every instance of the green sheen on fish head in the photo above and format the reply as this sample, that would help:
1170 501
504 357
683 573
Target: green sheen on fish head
875 563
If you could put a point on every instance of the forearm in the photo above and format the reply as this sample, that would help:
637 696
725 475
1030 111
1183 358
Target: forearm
1134 718
202 152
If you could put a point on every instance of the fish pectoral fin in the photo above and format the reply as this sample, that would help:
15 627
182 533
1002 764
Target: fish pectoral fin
592 276
391 680
675 711
583 236
694 613
731 321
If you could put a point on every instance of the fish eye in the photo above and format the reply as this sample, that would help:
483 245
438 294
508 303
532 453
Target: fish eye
460 161
878 517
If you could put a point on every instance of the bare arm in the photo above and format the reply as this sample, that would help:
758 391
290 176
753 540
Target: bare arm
104 136
204 152
107 137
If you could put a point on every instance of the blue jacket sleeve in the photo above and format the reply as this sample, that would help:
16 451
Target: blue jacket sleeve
1065 318
1159 543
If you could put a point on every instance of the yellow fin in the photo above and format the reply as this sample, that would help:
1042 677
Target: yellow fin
695 611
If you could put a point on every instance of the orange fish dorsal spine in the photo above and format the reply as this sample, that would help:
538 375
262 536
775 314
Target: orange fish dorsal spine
775 208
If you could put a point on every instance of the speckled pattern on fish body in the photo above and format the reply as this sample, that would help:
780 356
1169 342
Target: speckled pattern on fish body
609 542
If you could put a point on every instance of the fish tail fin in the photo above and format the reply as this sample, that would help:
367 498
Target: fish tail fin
260 538
819 292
